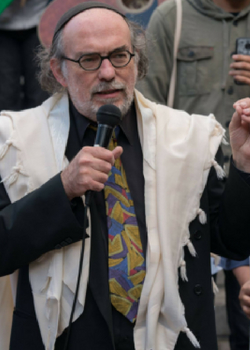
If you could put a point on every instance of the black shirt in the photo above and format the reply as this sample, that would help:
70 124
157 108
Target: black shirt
81 135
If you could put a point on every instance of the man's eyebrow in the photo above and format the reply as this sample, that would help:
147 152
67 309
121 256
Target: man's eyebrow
117 49
121 48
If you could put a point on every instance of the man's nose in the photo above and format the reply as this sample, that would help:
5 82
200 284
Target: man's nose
106 70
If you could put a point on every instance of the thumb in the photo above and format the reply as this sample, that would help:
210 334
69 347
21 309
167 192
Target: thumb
117 152
236 119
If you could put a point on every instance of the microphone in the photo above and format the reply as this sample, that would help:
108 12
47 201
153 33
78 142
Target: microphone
107 116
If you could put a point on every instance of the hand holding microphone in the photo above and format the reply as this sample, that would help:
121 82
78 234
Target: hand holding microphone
88 171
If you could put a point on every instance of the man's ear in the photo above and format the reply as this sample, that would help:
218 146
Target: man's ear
57 71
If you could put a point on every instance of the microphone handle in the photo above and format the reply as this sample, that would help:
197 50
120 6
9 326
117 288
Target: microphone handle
103 136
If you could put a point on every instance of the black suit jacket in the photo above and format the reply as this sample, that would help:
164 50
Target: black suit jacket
26 233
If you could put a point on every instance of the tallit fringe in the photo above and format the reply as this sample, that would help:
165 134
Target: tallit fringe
4 148
191 337
224 141
182 266
191 248
219 170
183 271
215 287
202 216
12 178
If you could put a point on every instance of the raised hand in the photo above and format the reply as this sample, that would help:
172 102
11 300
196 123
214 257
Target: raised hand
244 297
88 170
239 130
240 68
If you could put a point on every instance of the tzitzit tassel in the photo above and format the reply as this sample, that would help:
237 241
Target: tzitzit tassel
191 248
219 170
183 271
12 178
5 148
202 216
191 337
224 141
215 287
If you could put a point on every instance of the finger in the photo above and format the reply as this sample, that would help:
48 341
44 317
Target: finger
246 112
246 310
96 181
98 152
236 119
244 301
240 72
244 295
238 110
100 165
243 103
241 58
87 161
241 65
117 152
245 119
244 79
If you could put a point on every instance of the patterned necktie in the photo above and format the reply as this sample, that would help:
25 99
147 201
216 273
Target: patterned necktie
126 261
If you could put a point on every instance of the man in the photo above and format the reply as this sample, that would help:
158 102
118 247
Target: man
163 184
210 77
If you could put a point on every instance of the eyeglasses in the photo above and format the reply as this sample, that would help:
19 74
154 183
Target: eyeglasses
93 61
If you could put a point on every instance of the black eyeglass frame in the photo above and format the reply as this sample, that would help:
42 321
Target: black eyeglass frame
102 58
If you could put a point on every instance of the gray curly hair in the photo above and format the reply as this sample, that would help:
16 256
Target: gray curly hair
46 78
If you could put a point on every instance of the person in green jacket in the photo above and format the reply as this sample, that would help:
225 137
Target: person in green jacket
206 67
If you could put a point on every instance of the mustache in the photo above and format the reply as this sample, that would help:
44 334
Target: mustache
103 86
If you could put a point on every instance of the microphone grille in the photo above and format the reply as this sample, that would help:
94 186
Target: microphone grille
109 115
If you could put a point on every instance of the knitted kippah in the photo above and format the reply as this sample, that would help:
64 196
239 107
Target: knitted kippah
72 12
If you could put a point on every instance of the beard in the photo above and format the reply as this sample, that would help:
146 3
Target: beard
90 108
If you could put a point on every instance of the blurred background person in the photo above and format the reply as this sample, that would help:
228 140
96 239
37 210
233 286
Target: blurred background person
19 87
237 273
6 302
208 74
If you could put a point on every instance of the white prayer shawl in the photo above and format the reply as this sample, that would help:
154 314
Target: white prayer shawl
178 151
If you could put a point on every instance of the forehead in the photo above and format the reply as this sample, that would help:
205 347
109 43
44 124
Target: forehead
93 30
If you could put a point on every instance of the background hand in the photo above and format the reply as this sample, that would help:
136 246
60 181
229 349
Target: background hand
88 170
239 130
244 297
240 69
